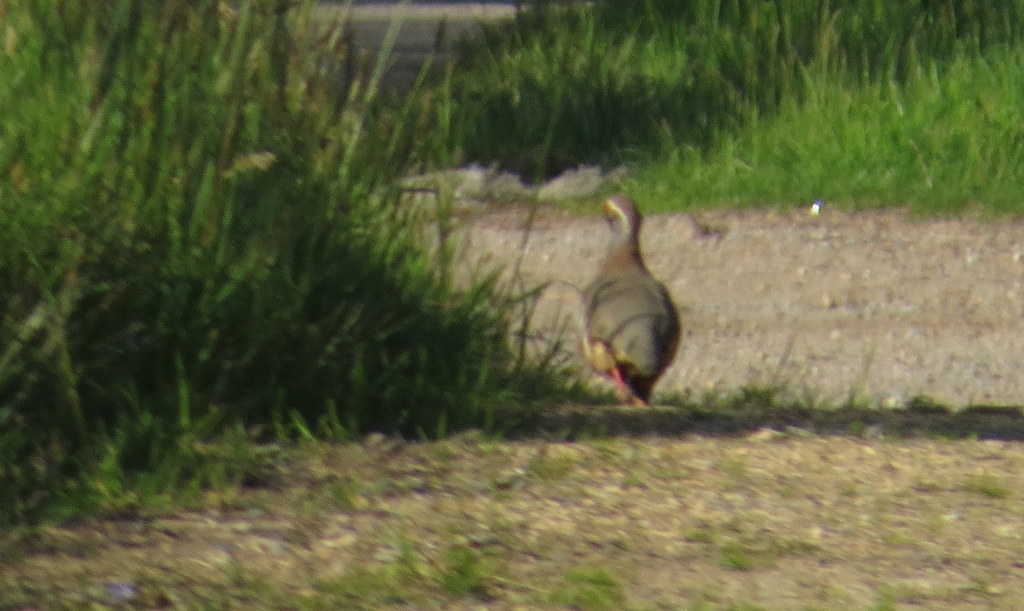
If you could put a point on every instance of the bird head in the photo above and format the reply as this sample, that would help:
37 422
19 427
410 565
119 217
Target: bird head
622 215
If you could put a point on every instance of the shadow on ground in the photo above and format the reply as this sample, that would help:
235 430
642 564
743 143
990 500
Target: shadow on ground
766 413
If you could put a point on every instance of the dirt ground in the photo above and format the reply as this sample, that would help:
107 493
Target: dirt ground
876 306
765 521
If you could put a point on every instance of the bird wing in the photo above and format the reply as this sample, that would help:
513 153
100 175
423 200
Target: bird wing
633 317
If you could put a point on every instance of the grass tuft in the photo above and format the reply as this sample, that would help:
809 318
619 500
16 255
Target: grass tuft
987 486
589 588
465 572
202 238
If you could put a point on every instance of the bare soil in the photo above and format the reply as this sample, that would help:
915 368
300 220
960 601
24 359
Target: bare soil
763 521
878 306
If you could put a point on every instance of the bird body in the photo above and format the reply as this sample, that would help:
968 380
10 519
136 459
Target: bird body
631 327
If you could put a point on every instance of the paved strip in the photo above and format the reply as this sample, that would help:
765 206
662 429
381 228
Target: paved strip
425 30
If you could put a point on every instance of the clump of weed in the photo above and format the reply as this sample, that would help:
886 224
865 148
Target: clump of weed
465 572
201 233
589 588
987 486
552 462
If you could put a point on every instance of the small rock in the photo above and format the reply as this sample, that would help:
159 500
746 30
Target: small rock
581 182
765 434
473 183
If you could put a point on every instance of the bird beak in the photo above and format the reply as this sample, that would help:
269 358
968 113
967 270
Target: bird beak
610 210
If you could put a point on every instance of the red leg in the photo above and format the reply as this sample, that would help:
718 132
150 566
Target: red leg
620 384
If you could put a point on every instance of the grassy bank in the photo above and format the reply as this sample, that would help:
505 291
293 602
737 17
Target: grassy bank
862 103
202 245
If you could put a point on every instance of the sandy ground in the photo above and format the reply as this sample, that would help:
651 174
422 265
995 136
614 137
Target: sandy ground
878 306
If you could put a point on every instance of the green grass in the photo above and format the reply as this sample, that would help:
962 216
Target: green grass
589 587
987 486
203 245
552 462
465 572
736 557
363 588
745 547
861 104
406 578
944 141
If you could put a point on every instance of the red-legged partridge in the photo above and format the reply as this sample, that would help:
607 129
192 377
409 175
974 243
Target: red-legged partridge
631 327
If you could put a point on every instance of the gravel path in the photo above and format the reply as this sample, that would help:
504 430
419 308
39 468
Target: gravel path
878 305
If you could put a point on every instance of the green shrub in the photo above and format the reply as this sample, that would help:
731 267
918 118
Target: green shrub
199 232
